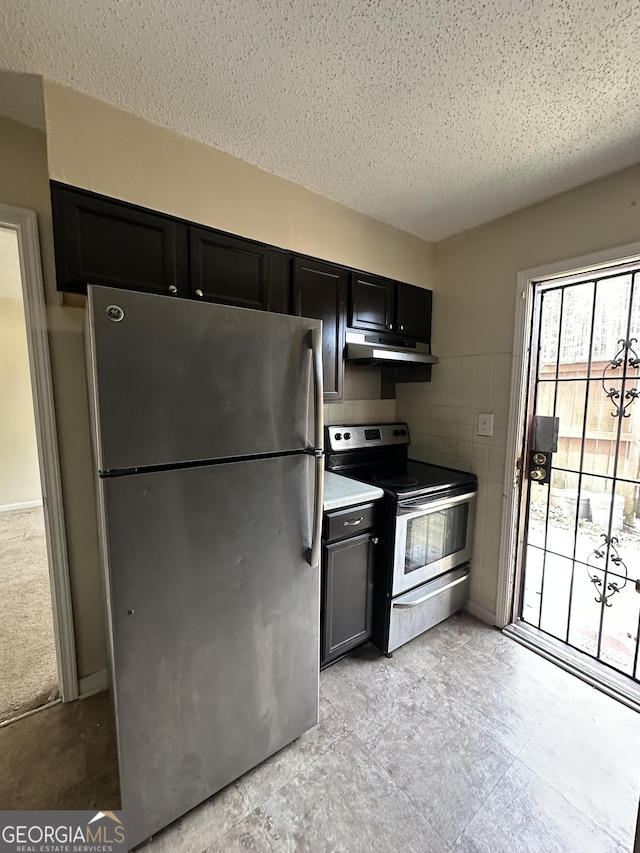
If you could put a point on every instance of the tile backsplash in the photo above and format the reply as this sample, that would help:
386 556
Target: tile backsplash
360 412
443 423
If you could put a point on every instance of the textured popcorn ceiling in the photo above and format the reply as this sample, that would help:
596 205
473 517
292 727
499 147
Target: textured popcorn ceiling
433 115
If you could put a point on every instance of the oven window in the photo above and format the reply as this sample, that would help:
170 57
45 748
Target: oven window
435 535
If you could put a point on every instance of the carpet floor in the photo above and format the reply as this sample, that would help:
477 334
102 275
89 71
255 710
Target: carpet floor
28 676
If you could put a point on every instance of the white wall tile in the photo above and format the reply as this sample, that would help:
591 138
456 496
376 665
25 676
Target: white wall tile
499 436
360 411
493 507
494 490
464 448
464 432
449 445
434 444
496 455
442 417
480 451
467 414
435 412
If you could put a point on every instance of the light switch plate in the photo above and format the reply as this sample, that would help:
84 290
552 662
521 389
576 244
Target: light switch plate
485 424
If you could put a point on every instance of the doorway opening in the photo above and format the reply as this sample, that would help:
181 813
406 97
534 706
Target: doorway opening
576 585
28 668
37 650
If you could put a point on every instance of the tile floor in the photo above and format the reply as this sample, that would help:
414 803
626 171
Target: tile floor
464 741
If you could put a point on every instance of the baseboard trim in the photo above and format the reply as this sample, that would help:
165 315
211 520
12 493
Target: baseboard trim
481 613
94 683
23 505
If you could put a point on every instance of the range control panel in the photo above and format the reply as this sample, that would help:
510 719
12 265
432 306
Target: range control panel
357 436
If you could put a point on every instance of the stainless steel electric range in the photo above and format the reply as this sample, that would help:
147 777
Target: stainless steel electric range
423 571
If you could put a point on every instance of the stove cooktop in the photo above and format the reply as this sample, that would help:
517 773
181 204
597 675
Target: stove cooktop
408 478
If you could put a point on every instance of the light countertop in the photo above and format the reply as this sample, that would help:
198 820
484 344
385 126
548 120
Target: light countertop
341 491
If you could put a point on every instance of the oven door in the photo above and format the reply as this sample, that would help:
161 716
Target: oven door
432 536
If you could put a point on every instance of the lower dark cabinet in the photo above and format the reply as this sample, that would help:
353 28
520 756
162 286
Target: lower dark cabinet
347 595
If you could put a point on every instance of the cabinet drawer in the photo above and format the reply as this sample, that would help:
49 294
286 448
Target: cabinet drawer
348 522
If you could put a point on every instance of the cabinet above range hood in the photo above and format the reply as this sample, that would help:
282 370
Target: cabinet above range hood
375 348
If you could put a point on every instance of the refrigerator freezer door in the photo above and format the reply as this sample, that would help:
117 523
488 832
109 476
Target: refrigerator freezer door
178 381
214 616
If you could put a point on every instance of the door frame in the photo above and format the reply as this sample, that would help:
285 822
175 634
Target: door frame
24 224
510 544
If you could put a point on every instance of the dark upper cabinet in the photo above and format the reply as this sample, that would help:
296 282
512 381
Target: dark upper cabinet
372 303
413 312
104 241
380 305
280 282
228 269
101 241
319 292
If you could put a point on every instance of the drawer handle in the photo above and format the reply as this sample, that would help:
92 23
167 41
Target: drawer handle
353 521
432 594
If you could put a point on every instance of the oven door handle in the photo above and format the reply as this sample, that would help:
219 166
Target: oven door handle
429 595
432 506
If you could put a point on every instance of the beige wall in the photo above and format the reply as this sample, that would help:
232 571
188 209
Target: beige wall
475 271
100 148
19 468
474 306
24 182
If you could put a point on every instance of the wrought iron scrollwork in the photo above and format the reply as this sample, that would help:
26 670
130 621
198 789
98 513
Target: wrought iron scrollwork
613 586
627 354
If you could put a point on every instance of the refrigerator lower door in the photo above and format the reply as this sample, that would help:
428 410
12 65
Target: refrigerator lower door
176 381
214 626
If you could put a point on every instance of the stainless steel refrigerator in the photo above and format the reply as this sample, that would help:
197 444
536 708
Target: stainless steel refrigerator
207 425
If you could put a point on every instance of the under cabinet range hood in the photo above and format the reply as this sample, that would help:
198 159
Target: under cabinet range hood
374 348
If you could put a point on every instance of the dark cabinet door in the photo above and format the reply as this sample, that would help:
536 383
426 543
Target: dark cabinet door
347 595
280 281
99 241
372 303
228 270
413 312
319 292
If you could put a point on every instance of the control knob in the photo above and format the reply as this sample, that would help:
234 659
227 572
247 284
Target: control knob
403 432
347 436
338 436
396 432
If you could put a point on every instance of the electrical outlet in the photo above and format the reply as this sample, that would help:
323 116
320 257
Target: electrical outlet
485 424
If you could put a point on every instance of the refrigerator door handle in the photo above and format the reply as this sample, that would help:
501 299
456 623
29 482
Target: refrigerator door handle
313 553
316 353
